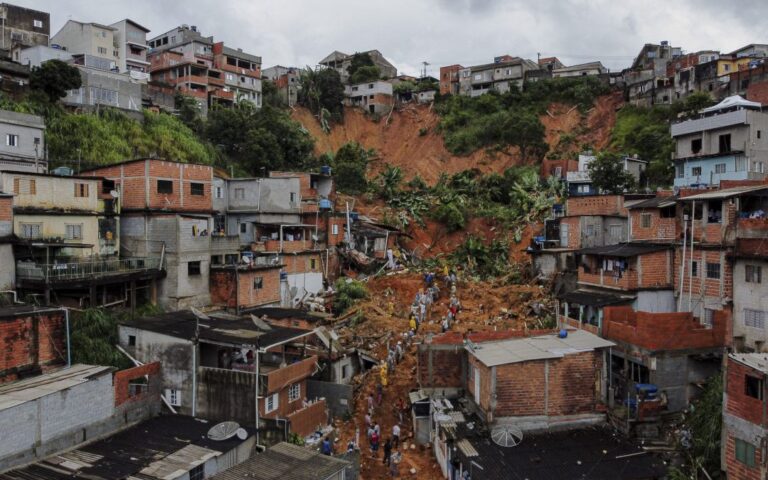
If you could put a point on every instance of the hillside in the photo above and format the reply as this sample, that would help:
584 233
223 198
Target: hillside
410 140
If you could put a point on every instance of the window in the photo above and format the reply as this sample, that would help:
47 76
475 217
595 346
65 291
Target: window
753 274
615 231
164 186
638 373
243 228
24 186
724 143
293 197
271 403
745 452
590 230
754 318
695 268
193 268
696 171
714 211
115 53
107 186
668 212
758 134
680 169
312 263
102 50
239 193
219 192
344 371
645 220
696 145
131 340
719 168
74 232
370 85
197 189
713 270
753 387
709 318
258 283
81 190
173 397
37 23
196 473
31 230
12 140
334 229
294 392
103 96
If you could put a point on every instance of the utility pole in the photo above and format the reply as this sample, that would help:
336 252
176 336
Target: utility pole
424 70
538 58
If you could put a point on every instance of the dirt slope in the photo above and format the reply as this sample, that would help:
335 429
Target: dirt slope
402 144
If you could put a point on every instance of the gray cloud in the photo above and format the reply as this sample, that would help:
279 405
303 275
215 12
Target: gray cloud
442 32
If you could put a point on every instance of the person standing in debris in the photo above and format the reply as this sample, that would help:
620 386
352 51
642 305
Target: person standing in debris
370 404
412 324
422 309
374 444
399 408
387 451
399 352
415 309
377 428
327 448
454 307
445 324
396 435
383 374
379 393
367 419
394 462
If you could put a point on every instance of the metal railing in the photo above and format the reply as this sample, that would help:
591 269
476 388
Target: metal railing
85 269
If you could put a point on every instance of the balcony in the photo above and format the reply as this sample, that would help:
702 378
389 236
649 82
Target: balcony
609 279
196 79
288 246
86 269
225 243
712 122
752 228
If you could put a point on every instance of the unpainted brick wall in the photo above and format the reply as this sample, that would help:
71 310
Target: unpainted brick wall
700 285
596 205
6 209
738 403
738 470
31 342
659 229
122 380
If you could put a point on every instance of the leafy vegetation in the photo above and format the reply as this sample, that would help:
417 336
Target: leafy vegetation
362 69
259 139
348 292
94 336
54 78
511 119
322 93
608 175
645 132
483 258
350 164
703 426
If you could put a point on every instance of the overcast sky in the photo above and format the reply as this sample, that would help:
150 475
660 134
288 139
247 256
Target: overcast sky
441 32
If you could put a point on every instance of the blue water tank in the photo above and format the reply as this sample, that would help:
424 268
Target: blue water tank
649 389
354 216
562 333
325 204
325 169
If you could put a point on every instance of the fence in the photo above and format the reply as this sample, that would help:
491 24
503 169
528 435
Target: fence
84 269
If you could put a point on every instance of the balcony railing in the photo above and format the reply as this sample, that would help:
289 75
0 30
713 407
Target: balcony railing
85 269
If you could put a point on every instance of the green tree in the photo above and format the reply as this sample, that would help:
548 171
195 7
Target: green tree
524 130
608 175
54 78
348 291
189 112
359 60
350 165
322 90
389 182
368 73
270 95
645 132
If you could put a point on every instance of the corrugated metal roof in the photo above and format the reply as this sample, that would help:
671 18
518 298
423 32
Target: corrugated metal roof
23 391
466 448
285 461
725 193
595 298
758 361
179 462
537 348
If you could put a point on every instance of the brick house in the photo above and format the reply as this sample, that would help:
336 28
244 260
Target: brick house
33 341
750 294
213 366
449 79
243 287
744 422
167 212
373 97
671 350
539 379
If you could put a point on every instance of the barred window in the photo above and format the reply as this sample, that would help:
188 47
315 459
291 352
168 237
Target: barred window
754 318
753 274
713 270
294 392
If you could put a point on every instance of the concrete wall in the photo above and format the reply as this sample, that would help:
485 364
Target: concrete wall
55 226
19 26
35 56
174 354
751 296
655 301
301 283
338 398
87 39
64 413
27 127
100 87
265 195
7 267
52 192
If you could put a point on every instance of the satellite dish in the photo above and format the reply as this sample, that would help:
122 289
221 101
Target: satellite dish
507 435
200 315
241 433
260 324
114 193
224 431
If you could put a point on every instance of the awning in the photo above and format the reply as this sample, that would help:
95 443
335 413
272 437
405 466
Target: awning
623 250
596 299
731 102
725 193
